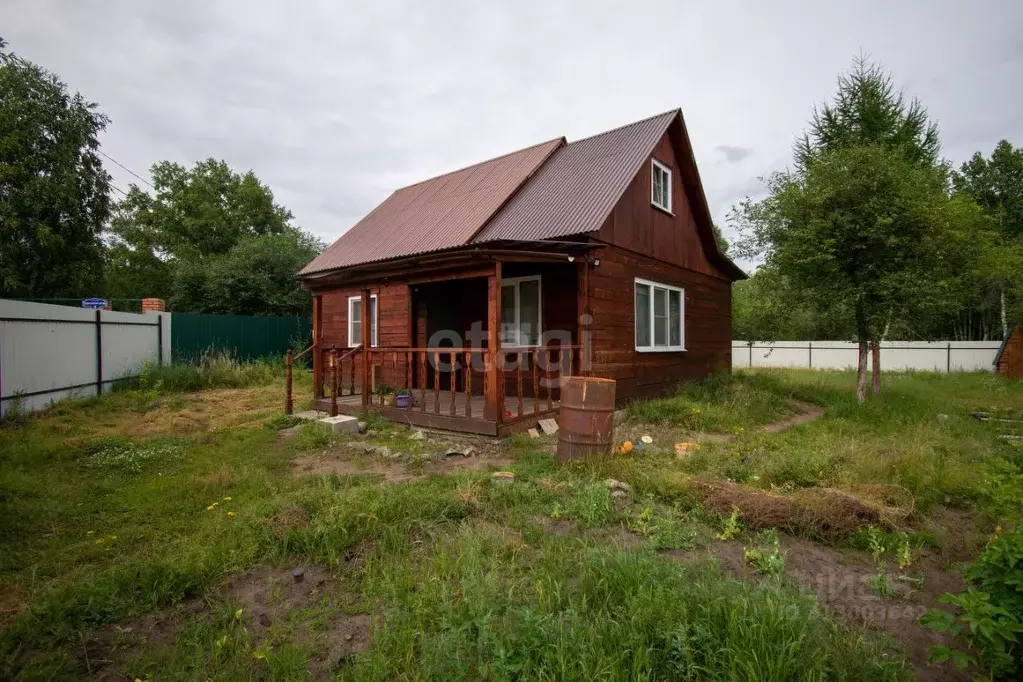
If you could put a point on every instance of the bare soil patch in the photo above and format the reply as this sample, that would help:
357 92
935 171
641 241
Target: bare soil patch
839 578
349 463
269 598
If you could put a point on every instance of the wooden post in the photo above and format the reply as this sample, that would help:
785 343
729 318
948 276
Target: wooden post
495 366
317 358
289 406
536 385
334 371
367 328
99 354
436 383
468 383
518 381
422 384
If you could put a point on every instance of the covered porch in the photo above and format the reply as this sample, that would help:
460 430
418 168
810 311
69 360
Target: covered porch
479 343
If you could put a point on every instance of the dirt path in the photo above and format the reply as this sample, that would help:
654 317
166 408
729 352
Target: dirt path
805 412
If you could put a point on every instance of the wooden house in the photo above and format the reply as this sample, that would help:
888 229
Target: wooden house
478 290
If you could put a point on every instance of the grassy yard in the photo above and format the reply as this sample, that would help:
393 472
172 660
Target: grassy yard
152 534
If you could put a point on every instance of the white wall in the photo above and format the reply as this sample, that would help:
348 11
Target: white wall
49 352
938 356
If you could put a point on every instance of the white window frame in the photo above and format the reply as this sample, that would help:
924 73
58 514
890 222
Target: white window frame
516 281
681 317
656 165
353 342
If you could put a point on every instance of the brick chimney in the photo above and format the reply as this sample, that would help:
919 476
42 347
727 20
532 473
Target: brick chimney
153 305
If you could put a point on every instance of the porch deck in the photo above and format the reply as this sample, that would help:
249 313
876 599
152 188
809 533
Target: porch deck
451 418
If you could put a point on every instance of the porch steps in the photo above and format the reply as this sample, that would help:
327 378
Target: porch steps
342 423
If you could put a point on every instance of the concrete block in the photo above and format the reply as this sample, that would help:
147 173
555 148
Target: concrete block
342 423
548 426
310 415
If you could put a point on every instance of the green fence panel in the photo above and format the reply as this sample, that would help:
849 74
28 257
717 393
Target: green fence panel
244 337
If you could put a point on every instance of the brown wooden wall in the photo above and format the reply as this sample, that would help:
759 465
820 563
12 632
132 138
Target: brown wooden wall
635 224
1010 361
393 325
707 324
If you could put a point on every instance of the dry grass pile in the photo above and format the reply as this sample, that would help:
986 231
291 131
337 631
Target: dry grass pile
826 513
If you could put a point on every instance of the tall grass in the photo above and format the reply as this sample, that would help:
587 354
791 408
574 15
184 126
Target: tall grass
213 369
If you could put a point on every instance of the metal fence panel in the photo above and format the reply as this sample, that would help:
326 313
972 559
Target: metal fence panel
244 337
937 356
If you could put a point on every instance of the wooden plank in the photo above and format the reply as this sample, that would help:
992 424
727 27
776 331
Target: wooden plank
365 341
422 383
518 380
468 383
536 385
495 369
453 380
334 371
436 383
317 358
547 378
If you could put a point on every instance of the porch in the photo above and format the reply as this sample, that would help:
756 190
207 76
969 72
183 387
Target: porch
450 386
479 341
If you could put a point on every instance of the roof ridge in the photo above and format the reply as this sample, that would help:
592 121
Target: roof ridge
480 163
627 125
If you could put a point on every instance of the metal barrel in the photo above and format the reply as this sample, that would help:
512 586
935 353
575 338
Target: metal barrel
586 417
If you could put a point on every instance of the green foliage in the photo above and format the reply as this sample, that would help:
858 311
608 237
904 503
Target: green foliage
664 529
721 402
590 504
130 457
54 193
990 617
731 526
209 239
868 111
765 555
767 307
211 370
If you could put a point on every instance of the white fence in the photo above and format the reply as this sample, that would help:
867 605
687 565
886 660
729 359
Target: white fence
50 352
937 356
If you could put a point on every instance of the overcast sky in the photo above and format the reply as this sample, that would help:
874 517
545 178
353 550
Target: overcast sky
336 107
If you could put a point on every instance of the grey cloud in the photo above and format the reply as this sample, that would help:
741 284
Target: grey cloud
733 154
335 105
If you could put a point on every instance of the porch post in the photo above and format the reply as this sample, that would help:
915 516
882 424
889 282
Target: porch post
585 316
494 409
317 360
366 337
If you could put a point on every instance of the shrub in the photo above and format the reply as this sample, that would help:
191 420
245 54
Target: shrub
212 370
991 621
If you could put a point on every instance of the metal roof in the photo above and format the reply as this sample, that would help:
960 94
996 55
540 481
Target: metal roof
578 187
436 214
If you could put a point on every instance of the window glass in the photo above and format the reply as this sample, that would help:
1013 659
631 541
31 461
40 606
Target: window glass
660 317
529 312
674 318
508 316
642 315
355 328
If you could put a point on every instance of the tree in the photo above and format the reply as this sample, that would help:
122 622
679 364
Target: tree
256 277
54 193
996 184
767 306
862 221
719 237
209 239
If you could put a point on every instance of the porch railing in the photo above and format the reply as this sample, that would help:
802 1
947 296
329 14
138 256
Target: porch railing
528 373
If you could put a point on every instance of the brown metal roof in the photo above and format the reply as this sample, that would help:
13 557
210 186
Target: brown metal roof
436 214
576 189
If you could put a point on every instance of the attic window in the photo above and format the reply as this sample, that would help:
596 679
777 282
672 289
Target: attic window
660 185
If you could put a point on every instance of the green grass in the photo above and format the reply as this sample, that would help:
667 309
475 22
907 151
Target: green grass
462 578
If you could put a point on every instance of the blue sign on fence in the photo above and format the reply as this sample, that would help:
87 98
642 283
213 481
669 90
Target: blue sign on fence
94 303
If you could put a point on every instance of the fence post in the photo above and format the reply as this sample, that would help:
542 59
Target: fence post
948 358
809 346
335 370
99 353
288 404
750 353
159 340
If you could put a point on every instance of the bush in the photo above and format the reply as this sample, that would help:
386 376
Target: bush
991 621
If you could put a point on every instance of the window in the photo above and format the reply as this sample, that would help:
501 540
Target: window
660 185
660 310
520 311
355 320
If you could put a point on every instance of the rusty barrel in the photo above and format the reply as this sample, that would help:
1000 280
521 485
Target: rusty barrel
586 417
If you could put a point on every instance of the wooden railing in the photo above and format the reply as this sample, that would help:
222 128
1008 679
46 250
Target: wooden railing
524 373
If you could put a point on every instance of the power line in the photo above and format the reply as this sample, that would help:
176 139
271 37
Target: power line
125 168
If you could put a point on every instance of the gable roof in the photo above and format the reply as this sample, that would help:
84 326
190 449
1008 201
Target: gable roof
439 213
576 190
543 192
